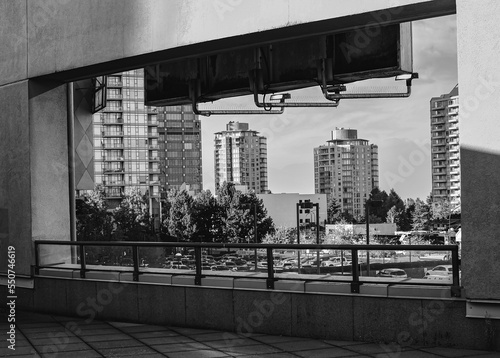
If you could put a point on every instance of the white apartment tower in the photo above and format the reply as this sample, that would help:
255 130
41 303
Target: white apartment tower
241 157
346 168
445 148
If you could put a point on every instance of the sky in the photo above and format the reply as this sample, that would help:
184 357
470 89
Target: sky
399 126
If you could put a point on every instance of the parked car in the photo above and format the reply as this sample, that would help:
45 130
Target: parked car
392 272
440 270
435 256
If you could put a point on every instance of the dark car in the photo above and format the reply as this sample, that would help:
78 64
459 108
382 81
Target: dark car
392 272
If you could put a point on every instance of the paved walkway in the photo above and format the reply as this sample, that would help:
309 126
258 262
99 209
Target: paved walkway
50 336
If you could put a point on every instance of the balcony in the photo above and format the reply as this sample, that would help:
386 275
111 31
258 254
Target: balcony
114 96
108 170
153 146
113 120
113 109
115 183
112 134
113 159
153 159
153 134
114 83
154 170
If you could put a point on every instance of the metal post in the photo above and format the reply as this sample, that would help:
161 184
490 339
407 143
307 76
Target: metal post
355 271
135 257
83 261
367 214
298 237
71 166
317 236
270 269
197 261
455 288
37 259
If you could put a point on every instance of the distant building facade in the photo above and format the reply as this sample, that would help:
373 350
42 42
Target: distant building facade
153 149
282 208
445 148
180 148
241 157
346 168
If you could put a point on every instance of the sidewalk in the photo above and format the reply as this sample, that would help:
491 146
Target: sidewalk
43 335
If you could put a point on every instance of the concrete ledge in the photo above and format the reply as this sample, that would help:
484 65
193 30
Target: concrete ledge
250 283
183 280
152 278
328 287
419 291
126 276
374 289
225 282
50 272
99 275
295 286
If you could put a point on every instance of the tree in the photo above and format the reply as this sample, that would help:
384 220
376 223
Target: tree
334 210
392 215
132 219
181 223
207 217
421 216
281 235
239 213
93 221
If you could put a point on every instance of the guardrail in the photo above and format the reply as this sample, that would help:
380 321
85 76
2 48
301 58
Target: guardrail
356 279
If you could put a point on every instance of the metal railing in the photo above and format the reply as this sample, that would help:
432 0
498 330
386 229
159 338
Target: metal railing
356 279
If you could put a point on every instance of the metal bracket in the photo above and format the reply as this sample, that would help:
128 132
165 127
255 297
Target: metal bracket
194 93
333 92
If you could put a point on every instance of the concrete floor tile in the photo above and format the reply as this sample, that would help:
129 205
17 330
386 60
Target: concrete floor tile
55 341
215 336
77 354
115 344
167 340
180 347
237 342
259 349
301 345
275 339
153 334
5 352
373 348
198 354
454 352
106 337
332 352
126 351
98 332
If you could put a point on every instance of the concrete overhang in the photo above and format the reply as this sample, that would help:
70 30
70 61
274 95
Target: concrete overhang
150 32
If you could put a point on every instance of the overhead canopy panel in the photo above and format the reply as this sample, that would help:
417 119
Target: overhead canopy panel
383 51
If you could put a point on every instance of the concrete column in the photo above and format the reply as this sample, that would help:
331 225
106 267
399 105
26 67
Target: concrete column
34 199
478 37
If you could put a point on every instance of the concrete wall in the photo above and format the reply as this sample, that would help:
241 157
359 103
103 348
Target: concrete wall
478 36
416 321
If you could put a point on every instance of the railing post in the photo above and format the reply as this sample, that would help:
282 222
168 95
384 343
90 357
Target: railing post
455 288
270 269
197 262
83 262
355 271
135 256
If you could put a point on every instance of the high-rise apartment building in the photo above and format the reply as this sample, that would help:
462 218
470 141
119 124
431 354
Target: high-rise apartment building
137 146
241 157
180 148
346 168
445 148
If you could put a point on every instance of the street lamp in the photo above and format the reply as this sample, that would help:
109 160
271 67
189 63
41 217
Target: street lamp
307 205
374 204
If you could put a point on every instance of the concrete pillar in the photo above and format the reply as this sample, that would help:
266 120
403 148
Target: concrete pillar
34 197
478 37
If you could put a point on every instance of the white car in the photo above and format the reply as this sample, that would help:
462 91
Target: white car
440 270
